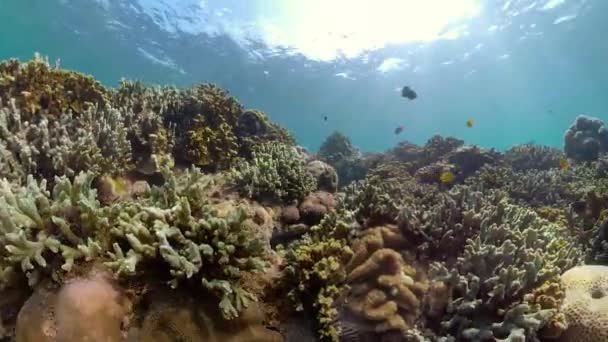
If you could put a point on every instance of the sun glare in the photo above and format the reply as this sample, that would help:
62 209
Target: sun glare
322 29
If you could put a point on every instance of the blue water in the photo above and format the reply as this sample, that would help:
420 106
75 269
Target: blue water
522 70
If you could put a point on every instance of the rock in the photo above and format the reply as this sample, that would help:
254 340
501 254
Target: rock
585 139
325 174
315 206
290 214
83 309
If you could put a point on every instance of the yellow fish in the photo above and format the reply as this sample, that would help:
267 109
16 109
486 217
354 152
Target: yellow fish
470 123
447 177
564 164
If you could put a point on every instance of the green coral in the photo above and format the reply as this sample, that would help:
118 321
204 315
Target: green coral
514 252
274 172
40 229
205 119
316 267
178 227
41 90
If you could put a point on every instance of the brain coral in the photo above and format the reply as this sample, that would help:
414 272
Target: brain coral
586 304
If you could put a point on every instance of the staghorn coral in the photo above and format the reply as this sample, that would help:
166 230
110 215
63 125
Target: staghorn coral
275 172
178 227
385 293
40 231
96 141
143 107
40 90
515 252
530 156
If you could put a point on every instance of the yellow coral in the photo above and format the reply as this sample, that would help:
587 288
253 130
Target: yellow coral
385 292
586 304
37 86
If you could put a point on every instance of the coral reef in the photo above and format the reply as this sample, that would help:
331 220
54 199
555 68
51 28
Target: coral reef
529 156
158 193
275 172
585 139
178 227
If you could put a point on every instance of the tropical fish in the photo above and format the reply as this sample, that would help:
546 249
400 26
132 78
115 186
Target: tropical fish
564 164
470 123
399 129
447 177
407 92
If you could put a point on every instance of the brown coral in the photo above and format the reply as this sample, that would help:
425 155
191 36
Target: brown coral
385 292
36 87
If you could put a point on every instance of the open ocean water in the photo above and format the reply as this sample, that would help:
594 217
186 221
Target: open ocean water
521 69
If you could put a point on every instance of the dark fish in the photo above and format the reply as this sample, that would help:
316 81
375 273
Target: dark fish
325 118
399 129
407 92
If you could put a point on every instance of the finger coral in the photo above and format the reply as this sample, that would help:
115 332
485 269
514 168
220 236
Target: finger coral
275 172
178 227
515 252
38 229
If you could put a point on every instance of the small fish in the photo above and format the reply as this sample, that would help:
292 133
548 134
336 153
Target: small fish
325 118
407 92
564 164
399 129
447 177
470 123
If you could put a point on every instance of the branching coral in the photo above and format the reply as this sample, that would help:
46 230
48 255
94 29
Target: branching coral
40 89
152 142
530 156
275 172
316 267
96 141
515 252
39 229
178 227
205 120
